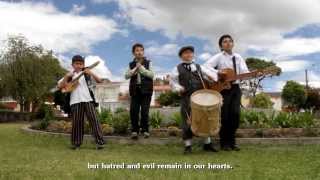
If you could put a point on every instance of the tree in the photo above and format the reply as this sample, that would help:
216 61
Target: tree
313 99
294 94
262 100
28 72
169 98
259 64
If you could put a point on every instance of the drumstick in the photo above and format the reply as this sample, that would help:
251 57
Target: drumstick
189 118
204 86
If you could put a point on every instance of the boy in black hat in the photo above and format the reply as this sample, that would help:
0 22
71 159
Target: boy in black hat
82 103
140 89
185 79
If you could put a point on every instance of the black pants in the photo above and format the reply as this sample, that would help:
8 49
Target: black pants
230 115
185 111
139 102
78 111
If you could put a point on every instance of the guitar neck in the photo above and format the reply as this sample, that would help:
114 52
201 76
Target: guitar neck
78 77
244 76
253 74
82 72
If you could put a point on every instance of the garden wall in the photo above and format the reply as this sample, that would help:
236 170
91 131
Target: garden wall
9 116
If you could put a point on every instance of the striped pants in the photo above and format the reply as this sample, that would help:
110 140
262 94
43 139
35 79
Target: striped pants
78 111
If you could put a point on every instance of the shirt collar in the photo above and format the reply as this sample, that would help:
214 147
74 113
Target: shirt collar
188 62
227 54
135 59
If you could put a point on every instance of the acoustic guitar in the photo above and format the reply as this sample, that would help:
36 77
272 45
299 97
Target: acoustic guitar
229 76
73 84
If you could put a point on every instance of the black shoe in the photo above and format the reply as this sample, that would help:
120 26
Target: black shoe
226 148
209 147
134 135
187 150
75 147
99 146
235 148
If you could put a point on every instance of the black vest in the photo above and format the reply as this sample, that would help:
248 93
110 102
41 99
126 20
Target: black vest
146 82
190 80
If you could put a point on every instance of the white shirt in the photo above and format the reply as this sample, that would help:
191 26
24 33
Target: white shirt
174 76
223 60
81 93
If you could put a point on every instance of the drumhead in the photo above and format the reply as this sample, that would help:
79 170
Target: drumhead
206 98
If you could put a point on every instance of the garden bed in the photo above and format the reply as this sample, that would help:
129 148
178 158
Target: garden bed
173 131
123 139
253 124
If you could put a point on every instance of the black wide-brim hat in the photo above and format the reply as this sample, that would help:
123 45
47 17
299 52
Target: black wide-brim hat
185 48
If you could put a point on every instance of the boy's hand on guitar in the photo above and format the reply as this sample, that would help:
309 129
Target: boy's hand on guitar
260 74
69 75
87 71
222 75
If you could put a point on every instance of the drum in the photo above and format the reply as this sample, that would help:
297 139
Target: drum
206 112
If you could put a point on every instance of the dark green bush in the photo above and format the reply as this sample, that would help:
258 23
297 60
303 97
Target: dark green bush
45 114
105 116
120 122
262 100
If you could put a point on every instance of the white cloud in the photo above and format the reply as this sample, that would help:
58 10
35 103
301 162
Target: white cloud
102 1
293 65
101 70
253 23
162 50
77 9
294 47
205 56
43 23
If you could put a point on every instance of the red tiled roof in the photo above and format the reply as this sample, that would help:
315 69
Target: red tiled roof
162 87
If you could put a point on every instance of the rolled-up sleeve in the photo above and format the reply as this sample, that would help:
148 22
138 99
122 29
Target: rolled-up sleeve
147 72
212 63
129 73
174 80
243 65
210 73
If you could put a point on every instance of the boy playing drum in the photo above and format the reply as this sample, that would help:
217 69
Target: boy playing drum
185 79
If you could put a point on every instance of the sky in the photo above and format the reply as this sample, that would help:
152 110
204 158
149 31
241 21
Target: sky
286 32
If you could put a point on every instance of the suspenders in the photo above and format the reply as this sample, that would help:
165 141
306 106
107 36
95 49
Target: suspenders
234 64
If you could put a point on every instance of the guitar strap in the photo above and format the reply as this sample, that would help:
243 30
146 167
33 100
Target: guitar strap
234 64
88 79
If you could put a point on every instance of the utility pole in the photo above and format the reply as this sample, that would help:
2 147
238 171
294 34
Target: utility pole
306 75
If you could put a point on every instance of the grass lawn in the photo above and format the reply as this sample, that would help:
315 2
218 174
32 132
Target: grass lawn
25 156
